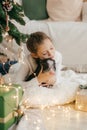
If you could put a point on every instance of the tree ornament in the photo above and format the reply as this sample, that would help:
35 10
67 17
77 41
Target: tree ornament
7 5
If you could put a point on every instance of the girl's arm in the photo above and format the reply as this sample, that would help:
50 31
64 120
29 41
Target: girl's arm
18 73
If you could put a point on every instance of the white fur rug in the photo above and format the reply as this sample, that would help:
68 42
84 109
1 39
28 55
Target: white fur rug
59 94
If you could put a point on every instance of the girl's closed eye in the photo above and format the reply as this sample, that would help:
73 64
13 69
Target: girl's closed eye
44 54
51 48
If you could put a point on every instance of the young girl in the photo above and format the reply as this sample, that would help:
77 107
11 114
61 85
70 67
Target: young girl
41 47
63 89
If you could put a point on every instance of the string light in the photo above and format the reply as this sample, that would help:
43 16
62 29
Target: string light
21 54
37 128
26 117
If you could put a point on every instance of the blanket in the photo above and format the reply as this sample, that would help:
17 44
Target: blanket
50 109
61 93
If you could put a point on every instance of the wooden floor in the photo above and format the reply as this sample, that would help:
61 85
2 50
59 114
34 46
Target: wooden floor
57 118
65 118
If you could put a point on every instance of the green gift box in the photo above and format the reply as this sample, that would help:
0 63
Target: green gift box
10 97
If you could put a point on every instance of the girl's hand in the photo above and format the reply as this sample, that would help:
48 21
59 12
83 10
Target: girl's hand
1 80
51 81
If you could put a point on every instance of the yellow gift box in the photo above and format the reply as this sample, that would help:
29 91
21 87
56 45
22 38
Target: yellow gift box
81 98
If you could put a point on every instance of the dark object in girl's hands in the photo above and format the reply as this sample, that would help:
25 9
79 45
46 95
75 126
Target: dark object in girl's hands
45 65
48 64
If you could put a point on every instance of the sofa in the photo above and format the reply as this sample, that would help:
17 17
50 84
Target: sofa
69 36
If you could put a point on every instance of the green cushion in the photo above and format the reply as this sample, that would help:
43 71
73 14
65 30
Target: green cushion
35 9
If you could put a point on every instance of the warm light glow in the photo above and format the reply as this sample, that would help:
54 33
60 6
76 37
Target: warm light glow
39 121
6 89
15 97
42 107
48 118
26 117
37 128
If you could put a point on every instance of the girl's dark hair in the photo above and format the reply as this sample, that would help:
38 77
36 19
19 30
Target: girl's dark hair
35 39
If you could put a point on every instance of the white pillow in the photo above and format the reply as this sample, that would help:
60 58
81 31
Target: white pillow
64 10
63 93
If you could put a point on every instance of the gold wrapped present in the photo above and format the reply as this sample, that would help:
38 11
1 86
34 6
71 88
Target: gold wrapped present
81 98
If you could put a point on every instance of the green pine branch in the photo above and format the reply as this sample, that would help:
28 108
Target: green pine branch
17 14
1 38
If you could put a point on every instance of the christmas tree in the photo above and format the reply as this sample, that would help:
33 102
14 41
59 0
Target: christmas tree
11 10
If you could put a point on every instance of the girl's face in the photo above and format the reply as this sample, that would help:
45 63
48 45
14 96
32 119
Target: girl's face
45 50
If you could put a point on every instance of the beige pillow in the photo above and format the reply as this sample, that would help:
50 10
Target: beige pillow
84 12
64 10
